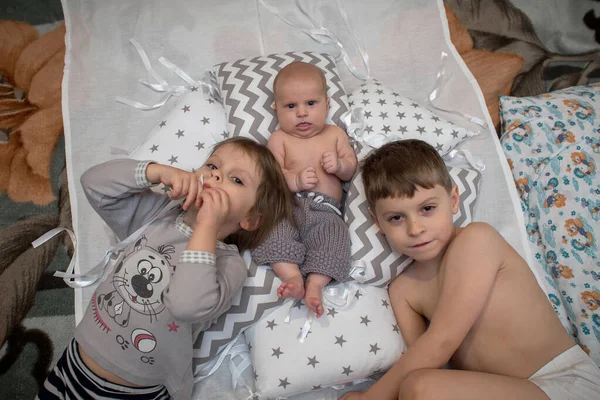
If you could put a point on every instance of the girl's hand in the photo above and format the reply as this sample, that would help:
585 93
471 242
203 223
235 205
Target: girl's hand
182 183
214 208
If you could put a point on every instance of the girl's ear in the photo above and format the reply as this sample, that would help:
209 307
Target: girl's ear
251 223
455 199
328 103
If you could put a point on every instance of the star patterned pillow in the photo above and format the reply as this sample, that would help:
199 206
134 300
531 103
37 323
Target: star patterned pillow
183 138
388 116
341 346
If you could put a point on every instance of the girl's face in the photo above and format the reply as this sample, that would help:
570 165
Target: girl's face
237 174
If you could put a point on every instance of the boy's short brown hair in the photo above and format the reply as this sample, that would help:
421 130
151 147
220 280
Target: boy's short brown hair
398 168
273 198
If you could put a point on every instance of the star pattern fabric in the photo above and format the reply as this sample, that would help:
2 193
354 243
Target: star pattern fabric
345 344
387 115
184 137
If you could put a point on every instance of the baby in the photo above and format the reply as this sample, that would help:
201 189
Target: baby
468 297
136 338
316 158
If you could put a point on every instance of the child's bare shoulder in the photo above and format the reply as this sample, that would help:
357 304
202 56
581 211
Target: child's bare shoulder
475 232
335 130
277 136
473 243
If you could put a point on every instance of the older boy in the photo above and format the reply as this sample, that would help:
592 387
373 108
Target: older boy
486 313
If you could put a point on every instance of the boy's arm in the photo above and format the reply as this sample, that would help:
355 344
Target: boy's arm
471 265
411 323
275 144
346 156
202 286
118 192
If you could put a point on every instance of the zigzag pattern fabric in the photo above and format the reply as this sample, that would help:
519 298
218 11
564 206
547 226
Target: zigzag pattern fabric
257 299
246 87
370 246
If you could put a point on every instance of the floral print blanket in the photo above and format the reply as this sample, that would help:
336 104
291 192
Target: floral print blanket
552 143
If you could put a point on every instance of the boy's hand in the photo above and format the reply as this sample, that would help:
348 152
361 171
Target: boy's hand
330 162
307 179
182 183
214 208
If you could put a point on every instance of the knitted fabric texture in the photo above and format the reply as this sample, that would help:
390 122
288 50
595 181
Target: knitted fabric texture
319 243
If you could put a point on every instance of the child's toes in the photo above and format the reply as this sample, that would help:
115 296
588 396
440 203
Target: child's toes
281 289
314 304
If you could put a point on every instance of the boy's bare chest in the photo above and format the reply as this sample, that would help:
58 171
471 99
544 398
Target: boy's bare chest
428 301
427 296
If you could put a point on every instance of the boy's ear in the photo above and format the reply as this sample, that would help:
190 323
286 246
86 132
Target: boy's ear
328 102
376 221
250 223
455 199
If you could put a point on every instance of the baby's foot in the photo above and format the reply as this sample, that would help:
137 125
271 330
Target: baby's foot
293 287
313 299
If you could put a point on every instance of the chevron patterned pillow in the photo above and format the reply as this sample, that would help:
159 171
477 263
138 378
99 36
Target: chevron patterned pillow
389 116
370 246
246 88
256 299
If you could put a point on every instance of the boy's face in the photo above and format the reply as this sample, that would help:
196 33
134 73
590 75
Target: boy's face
301 106
419 227
237 174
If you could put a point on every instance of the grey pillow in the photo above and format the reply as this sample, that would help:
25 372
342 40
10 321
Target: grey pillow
246 89
257 298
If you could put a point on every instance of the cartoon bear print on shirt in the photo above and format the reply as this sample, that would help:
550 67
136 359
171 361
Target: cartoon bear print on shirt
139 281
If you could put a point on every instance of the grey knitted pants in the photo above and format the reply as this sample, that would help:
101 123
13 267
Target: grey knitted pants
319 242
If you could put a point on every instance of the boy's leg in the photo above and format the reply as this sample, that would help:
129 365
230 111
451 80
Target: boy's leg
293 284
448 384
314 292
327 254
284 252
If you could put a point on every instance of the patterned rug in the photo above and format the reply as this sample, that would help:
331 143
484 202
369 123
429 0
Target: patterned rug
37 310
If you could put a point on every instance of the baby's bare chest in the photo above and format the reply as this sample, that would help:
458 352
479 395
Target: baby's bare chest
308 151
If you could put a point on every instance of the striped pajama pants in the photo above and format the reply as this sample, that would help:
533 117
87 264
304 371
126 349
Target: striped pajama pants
72 379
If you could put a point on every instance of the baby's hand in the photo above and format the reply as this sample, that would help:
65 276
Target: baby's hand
330 162
307 179
214 208
182 183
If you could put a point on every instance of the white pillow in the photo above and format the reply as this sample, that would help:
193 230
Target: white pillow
246 87
388 116
185 136
342 346
370 247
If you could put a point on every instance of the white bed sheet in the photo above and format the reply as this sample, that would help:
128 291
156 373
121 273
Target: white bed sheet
403 39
